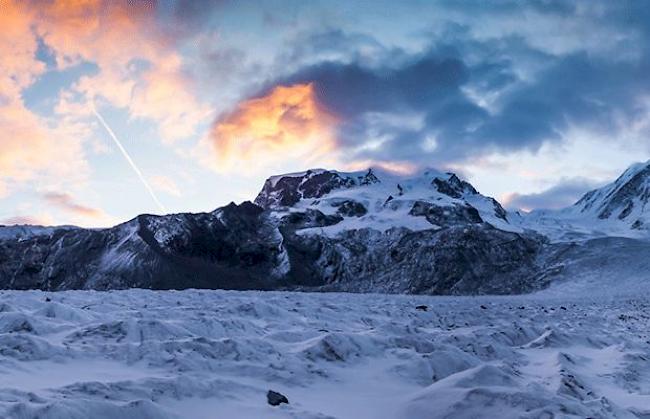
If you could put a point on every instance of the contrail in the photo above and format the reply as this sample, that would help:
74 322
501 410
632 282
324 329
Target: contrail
129 160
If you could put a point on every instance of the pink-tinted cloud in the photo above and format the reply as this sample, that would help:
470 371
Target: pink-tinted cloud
30 147
67 203
139 70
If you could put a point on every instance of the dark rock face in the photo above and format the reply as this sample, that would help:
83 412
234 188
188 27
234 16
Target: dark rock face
499 211
241 247
308 219
453 187
349 208
276 245
447 215
288 190
621 198
472 259
234 247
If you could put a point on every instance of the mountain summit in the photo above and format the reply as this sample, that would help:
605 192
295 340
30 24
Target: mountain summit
627 199
381 200
621 208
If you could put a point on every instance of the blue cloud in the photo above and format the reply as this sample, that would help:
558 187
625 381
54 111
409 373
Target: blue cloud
565 193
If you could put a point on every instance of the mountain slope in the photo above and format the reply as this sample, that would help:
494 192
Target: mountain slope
626 200
318 230
229 248
621 208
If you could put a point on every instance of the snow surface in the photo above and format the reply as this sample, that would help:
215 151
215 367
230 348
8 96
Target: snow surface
215 354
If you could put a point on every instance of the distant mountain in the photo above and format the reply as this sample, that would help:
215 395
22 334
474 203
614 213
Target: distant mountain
621 208
380 200
626 200
367 231
20 232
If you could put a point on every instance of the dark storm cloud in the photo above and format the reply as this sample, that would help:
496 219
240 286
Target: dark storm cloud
562 195
535 94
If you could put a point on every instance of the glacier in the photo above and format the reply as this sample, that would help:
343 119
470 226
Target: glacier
200 354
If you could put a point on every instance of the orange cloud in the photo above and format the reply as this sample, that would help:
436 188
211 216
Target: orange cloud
139 67
288 124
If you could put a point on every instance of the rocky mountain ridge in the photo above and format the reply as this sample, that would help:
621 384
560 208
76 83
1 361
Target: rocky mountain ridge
318 230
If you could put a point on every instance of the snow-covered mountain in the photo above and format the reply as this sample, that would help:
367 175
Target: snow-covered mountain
380 200
319 230
324 230
621 208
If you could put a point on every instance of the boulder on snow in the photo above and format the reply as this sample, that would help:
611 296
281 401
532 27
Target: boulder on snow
276 399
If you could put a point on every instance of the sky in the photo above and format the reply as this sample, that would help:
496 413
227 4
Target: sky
110 109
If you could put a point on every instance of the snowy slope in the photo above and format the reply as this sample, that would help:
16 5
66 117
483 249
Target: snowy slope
621 208
382 200
213 354
20 232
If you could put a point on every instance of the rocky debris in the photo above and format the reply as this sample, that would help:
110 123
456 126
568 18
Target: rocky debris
276 399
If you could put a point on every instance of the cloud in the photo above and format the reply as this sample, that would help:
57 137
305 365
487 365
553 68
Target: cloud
510 77
574 90
564 194
67 203
49 151
31 148
285 124
148 80
165 184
